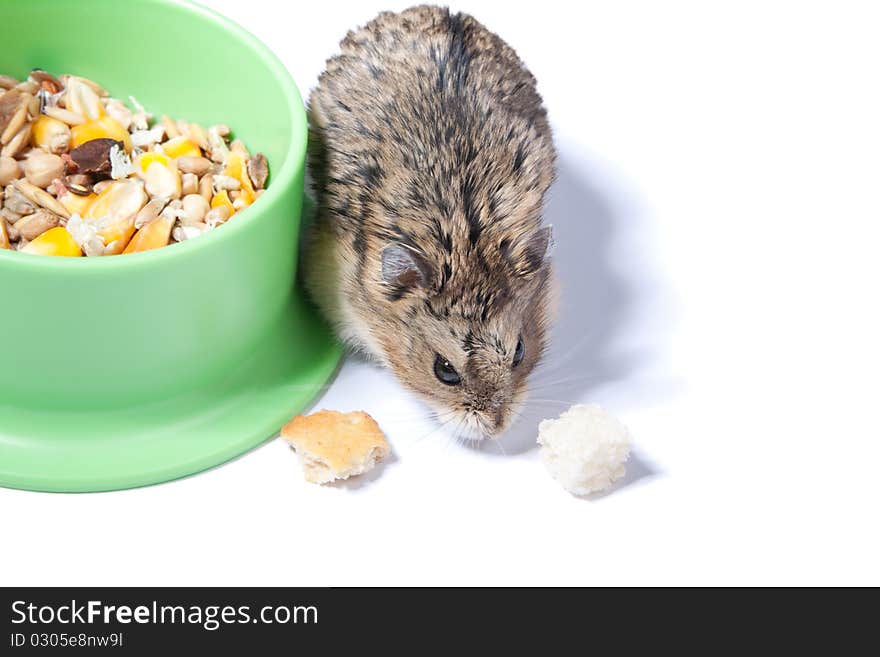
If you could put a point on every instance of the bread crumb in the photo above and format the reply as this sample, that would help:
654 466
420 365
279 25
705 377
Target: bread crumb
333 445
584 448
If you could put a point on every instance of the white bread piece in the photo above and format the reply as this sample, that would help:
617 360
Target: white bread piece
584 448
333 445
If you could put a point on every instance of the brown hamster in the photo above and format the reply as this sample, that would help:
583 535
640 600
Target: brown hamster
431 154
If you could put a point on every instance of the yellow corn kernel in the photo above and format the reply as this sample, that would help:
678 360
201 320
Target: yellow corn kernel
114 211
144 160
236 168
181 147
104 127
54 242
4 236
221 199
50 134
75 203
152 235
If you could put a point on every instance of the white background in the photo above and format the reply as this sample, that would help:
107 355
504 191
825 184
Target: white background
718 228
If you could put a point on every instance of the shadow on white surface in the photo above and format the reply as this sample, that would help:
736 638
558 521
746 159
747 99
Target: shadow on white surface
637 469
364 480
594 306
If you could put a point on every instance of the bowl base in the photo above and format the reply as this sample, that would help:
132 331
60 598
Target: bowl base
99 449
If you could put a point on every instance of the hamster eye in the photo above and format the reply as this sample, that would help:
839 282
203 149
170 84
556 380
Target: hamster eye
444 371
519 353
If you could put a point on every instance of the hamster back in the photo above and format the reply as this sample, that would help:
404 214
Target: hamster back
431 154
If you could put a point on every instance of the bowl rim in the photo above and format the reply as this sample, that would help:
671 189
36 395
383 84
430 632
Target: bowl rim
294 163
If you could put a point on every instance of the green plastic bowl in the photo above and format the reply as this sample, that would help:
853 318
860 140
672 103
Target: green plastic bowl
129 370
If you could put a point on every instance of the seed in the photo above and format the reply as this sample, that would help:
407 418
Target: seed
18 142
82 99
104 127
196 165
46 80
28 86
221 199
16 123
152 236
195 207
8 170
181 147
146 138
218 147
40 197
258 170
41 168
75 203
118 112
222 182
7 82
150 212
54 242
189 184
162 180
36 224
51 134
81 182
64 115
238 147
206 187
188 232
217 216
99 187
4 234
170 127
198 135
97 88
93 156
16 202
10 103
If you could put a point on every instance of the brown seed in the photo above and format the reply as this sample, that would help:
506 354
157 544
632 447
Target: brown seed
94 156
41 168
79 183
46 80
7 82
197 165
258 170
206 187
36 224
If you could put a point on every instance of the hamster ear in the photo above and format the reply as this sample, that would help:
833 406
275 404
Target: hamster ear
404 267
534 250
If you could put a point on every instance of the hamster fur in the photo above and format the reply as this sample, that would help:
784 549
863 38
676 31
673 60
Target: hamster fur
431 154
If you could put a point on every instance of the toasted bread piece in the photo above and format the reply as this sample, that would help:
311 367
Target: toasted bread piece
333 445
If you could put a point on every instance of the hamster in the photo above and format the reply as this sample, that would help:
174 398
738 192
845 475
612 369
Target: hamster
431 154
